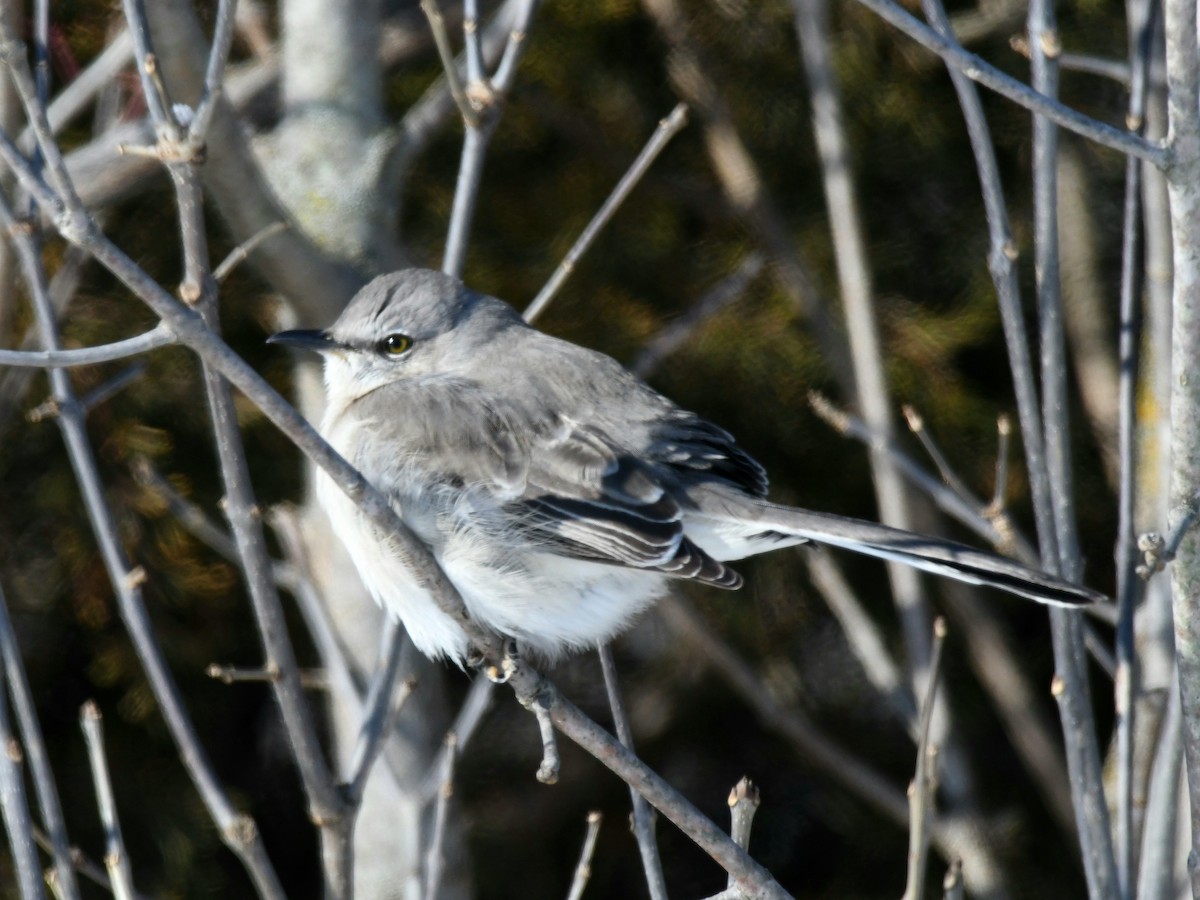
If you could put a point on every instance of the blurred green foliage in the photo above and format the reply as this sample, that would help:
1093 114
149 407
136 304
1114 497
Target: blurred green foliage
592 87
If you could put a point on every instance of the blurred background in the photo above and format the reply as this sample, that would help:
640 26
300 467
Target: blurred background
596 79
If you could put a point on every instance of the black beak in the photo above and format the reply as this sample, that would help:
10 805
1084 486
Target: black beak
319 341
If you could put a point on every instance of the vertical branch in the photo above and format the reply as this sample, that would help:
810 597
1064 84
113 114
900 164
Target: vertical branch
1083 754
39 761
924 783
1159 837
744 800
1044 49
854 281
871 388
1183 109
1127 682
15 810
583 868
643 817
116 860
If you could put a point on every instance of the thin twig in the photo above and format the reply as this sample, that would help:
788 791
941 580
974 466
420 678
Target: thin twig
470 714
15 810
35 750
924 783
242 251
864 637
743 804
975 68
116 859
1000 489
159 336
998 529
104 392
81 863
916 424
643 816
381 706
583 868
1113 69
473 51
312 679
1074 699
1129 587
434 858
871 390
214 72
485 100
718 298
1159 837
667 129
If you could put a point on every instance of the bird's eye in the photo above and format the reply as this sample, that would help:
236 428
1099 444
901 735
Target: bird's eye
395 344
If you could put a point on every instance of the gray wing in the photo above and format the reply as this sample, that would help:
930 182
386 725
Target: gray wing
586 499
699 450
568 488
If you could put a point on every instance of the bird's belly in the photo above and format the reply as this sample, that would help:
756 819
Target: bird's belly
381 567
549 603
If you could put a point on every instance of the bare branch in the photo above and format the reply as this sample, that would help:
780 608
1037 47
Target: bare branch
35 749
864 637
975 68
1129 586
243 250
743 804
924 783
583 869
718 298
382 705
643 817
441 37
667 129
236 829
15 810
116 859
434 860
477 701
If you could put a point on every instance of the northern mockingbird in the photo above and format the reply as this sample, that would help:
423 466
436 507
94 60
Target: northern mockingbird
559 493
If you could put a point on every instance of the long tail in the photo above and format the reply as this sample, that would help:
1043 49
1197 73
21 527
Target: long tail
758 522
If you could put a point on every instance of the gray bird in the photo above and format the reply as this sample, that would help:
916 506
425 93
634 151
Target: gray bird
559 493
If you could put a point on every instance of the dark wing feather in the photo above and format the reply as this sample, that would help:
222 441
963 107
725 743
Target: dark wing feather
588 500
699 448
